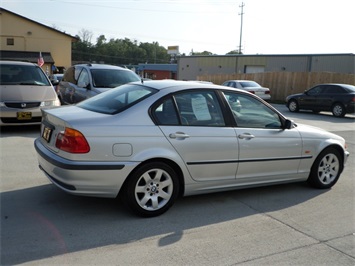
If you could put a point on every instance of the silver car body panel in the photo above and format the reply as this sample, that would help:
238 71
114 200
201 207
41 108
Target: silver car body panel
210 159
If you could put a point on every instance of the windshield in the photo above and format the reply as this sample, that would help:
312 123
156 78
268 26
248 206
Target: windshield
246 84
22 75
116 100
111 78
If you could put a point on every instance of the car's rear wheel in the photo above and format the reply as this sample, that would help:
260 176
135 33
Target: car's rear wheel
151 190
326 169
293 106
338 110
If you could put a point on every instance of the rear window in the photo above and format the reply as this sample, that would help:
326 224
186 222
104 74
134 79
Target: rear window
117 99
22 75
349 88
246 84
110 78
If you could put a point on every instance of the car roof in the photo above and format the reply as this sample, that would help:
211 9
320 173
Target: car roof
346 86
100 66
336 84
19 63
241 80
181 85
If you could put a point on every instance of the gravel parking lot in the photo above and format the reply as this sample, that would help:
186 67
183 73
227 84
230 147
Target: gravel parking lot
289 224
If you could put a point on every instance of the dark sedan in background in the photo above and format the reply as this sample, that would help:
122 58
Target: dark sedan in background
336 98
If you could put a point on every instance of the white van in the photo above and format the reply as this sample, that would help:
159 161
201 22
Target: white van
24 90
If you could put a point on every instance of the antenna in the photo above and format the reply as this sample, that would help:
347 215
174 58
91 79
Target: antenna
241 27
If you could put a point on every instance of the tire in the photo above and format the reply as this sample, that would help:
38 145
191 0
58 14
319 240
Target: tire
293 106
151 190
338 110
326 169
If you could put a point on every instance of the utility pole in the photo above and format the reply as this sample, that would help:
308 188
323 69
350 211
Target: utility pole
241 28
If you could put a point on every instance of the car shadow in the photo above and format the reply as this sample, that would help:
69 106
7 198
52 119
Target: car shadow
309 115
42 221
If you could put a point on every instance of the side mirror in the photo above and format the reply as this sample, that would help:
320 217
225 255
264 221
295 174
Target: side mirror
289 124
82 84
55 82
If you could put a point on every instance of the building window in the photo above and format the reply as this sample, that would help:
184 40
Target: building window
10 41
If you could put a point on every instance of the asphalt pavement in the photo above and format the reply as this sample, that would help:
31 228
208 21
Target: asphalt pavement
290 224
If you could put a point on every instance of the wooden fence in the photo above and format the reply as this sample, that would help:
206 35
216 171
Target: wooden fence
282 84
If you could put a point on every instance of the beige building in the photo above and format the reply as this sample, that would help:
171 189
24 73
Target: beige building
24 39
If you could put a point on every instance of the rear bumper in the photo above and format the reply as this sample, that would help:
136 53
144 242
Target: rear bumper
87 178
350 108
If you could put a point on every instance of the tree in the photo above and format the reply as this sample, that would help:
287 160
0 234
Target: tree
85 35
117 51
234 52
201 53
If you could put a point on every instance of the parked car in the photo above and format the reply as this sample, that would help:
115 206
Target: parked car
55 78
154 141
250 86
24 90
336 98
83 81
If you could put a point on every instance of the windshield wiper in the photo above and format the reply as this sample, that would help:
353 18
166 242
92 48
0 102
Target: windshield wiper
32 83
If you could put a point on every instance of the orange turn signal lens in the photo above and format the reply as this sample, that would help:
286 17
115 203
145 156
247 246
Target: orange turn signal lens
72 141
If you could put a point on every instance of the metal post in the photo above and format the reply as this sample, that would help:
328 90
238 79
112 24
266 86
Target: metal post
241 28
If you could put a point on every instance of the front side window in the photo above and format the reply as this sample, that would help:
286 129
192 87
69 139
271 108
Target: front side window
117 100
250 112
315 91
84 79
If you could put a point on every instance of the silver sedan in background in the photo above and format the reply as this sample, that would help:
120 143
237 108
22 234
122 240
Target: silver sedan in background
150 143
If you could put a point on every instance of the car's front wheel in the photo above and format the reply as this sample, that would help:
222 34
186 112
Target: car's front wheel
151 190
338 110
293 106
326 169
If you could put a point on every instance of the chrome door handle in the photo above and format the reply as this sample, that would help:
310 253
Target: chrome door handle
178 135
246 136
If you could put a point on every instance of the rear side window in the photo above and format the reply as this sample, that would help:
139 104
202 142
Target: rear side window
334 89
117 100
193 108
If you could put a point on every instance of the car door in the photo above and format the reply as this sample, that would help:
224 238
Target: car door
310 99
328 96
83 87
194 125
267 152
67 87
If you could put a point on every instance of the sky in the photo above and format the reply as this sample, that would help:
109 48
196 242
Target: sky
216 26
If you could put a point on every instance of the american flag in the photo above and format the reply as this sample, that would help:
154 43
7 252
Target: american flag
40 60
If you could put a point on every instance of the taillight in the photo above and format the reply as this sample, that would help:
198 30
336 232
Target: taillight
353 99
267 92
253 92
72 141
